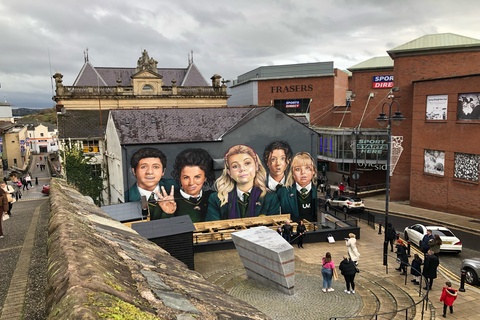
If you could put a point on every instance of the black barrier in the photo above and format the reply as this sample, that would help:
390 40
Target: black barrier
463 274
380 228
36 181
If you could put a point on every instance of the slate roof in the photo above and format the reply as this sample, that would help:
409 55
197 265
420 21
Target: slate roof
179 125
82 124
383 62
439 41
106 76
5 126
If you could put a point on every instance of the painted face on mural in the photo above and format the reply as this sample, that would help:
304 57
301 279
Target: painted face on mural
277 164
303 174
192 179
149 171
242 168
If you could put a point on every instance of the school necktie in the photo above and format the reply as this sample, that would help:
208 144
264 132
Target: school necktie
246 197
151 199
303 191
278 186
193 199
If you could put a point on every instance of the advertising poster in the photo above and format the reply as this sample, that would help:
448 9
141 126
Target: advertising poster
434 162
468 108
437 107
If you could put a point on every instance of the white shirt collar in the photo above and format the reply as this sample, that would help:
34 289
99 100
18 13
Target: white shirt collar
308 187
187 196
240 193
272 183
147 193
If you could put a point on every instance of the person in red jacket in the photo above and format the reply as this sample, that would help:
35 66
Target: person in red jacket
448 297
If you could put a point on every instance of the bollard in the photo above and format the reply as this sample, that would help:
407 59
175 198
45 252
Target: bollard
462 280
36 181
408 248
380 227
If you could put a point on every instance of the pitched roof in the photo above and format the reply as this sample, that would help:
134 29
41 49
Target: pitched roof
383 62
436 42
179 125
82 124
108 76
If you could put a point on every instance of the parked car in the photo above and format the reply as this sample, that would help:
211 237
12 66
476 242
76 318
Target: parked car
46 189
345 203
450 243
472 268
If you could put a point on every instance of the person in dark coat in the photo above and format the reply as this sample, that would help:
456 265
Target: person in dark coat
415 269
430 269
301 230
287 230
402 256
424 246
349 270
391 235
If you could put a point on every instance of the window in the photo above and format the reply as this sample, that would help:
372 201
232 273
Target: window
147 87
434 162
90 146
466 166
41 134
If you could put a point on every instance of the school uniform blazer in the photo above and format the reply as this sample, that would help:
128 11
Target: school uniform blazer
289 202
132 194
267 205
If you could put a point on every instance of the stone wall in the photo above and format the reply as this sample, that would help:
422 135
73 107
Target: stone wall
98 268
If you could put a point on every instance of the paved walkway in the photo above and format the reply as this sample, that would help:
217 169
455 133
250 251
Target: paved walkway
224 268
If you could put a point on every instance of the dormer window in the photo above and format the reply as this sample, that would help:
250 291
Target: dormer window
147 87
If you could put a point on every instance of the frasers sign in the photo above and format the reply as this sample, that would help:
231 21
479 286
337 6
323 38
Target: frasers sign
380 82
371 146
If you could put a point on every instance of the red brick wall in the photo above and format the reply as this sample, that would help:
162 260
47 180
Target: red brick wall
436 192
411 68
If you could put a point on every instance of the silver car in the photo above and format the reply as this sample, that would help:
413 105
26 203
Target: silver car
472 270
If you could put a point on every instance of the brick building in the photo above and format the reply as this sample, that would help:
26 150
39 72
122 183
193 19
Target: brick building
432 80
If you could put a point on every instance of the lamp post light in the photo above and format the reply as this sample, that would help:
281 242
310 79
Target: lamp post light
383 120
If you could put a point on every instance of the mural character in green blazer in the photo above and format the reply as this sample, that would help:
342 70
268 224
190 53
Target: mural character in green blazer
193 171
277 156
241 190
299 196
148 167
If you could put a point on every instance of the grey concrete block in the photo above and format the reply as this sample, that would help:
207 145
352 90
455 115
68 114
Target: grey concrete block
267 257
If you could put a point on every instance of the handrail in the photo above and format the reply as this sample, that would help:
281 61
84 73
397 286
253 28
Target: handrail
424 300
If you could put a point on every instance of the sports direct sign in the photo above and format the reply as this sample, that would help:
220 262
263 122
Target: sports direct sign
380 82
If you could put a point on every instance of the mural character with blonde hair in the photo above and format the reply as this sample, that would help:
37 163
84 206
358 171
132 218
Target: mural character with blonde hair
241 190
299 196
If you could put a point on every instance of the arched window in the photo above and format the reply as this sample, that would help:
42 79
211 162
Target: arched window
147 87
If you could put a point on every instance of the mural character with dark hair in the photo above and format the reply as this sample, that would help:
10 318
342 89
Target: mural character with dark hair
193 171
277 156
148 167
241 190
299 196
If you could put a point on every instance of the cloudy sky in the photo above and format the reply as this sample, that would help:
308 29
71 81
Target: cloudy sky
41 37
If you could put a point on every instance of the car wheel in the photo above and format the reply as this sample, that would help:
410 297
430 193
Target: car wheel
345 210
471 277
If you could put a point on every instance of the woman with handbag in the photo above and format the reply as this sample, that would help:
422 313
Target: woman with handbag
10 195
349 271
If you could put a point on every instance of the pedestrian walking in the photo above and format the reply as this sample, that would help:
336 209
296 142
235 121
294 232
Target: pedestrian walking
287 229
10 191
349 270
448 297
328 272
391 235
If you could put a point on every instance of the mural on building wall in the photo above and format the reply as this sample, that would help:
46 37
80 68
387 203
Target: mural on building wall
434 162
468 107
437 107
466 166
244 189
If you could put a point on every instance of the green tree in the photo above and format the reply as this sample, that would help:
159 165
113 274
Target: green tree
82 173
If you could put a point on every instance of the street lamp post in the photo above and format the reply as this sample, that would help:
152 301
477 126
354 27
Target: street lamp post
383 120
